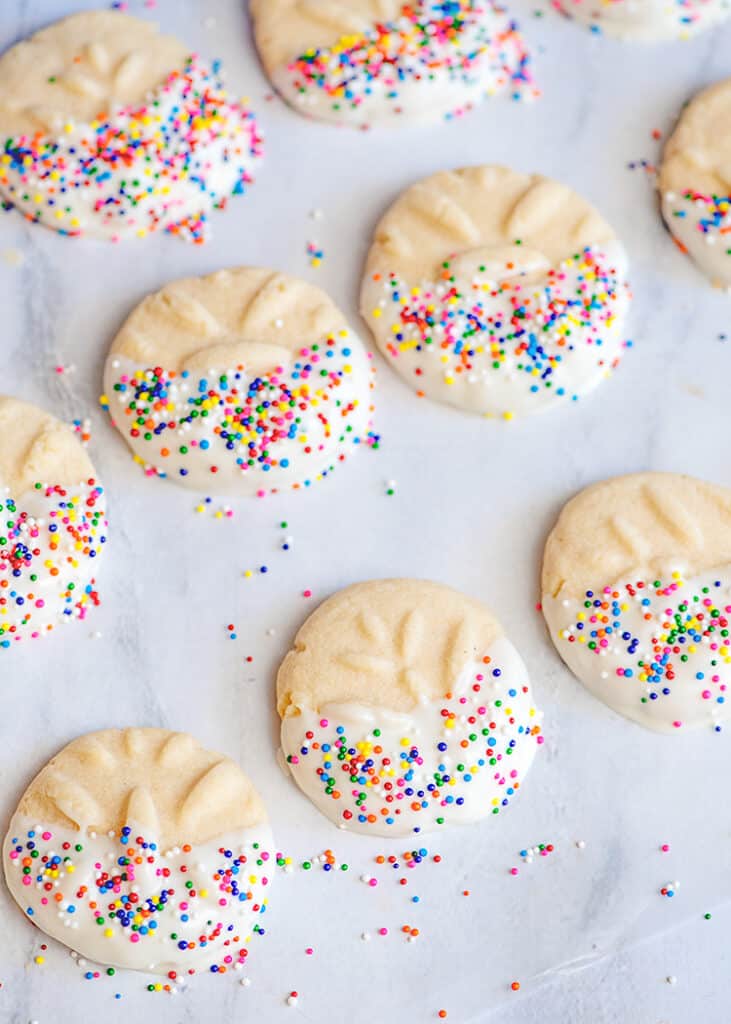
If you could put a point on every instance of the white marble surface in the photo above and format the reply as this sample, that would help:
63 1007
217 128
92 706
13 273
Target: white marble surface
585 930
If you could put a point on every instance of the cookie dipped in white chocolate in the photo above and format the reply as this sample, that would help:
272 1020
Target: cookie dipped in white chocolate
647 20
405 708
53 525
139 849
496 292
114 131
373 62
242 382
695 182
637 597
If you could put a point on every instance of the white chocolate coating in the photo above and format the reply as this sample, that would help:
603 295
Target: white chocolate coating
52 525
647 20
446 762
695 182
160 909
47 569
657 655
364 62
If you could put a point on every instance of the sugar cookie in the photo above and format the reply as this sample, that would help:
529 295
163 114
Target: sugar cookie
695 182
637 596
242 382
647 19
405 707
497 292
138 848
112 131
372 61
52 524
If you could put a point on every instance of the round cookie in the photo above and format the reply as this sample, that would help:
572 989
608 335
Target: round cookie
52 524
646 20
363 62
242 382
496 292
140 849
695 182
112 131
637 596
405 707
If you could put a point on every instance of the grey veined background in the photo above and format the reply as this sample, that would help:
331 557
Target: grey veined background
584 931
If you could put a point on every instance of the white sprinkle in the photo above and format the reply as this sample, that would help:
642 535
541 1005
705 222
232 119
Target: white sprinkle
13 257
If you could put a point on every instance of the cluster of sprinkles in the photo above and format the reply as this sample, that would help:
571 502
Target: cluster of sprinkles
469 42
474 736
472 331
82 430
316 254
687 625
529 853
58 541
687 13
190 913
711 217
285 544
220 512
137 169
244 423
669 889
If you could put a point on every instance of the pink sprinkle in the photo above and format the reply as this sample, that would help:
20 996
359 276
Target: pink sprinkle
665 847
309 951
383 931
307 593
